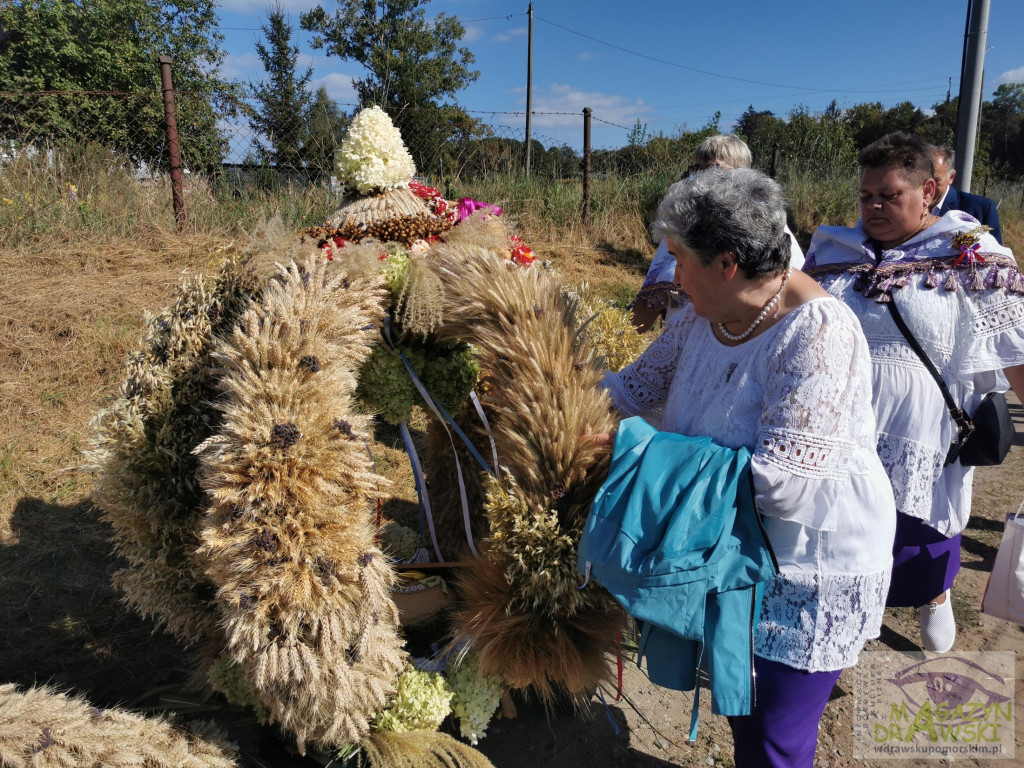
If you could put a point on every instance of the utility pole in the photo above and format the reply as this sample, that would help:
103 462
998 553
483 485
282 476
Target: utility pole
971 83
529 89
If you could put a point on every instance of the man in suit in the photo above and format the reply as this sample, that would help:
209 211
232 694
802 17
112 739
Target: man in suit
948 198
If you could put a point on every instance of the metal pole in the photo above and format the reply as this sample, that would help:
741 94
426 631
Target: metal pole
173 148
586 165
529 90
971 84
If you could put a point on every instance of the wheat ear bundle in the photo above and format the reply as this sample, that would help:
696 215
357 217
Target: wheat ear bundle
475 236
522 608
146 476
302 589
42 728
420 749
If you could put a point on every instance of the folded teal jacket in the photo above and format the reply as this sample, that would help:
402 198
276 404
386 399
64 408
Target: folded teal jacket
674 535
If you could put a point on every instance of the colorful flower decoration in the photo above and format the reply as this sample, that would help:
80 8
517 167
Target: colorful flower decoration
468 206
438 205
967 241
332 244
520 253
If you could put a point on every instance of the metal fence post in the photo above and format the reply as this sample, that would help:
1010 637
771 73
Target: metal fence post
173 147
586 165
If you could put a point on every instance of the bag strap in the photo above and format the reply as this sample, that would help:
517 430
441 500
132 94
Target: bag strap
964 425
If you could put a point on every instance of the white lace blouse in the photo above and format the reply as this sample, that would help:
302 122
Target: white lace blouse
971 329
799 397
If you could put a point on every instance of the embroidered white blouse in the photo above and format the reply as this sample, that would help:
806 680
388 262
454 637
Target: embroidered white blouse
799 397
970 321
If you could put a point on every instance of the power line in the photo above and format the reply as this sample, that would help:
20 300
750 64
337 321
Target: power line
672 63
716 74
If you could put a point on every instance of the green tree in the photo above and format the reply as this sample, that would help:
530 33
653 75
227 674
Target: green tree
866 122
326 125
414 68
763 132
112 46
817 144
1003 125
871 121
939 127
283 97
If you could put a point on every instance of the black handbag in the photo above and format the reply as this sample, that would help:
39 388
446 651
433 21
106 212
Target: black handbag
982 440
993 433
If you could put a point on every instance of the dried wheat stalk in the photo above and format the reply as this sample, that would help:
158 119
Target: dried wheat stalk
302 589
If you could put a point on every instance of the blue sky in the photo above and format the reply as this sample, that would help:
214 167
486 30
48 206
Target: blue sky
672 65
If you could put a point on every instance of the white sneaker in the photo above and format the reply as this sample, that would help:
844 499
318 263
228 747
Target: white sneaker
938 627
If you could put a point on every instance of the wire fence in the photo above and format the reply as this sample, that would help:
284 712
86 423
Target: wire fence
231 132
236 144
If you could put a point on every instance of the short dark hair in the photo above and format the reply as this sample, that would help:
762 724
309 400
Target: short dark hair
906 152
717 211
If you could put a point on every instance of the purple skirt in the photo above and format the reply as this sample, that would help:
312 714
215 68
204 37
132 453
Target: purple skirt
924 563
782 729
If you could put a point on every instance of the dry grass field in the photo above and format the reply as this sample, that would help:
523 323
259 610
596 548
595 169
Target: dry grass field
71 309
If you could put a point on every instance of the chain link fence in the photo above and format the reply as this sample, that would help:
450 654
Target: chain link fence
231 131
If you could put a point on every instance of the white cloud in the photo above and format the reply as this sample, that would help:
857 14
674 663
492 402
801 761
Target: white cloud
246 67
506 37
587 56
1010 76
609 107
338 86
621 111
473 32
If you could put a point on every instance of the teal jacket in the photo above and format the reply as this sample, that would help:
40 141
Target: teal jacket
674 535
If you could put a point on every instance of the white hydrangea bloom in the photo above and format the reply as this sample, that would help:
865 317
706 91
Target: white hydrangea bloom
373 157
476 696
422 701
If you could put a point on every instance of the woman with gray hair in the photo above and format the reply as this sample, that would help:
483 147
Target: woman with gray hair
762 358
659 295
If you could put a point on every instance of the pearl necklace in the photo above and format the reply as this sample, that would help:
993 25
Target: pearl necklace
773 302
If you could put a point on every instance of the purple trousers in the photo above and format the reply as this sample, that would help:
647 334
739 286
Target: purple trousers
782 729
924 563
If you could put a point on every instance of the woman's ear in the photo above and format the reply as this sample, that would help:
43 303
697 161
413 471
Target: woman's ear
728 264
930 188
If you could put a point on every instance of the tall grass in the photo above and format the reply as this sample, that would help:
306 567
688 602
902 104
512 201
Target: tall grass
69 194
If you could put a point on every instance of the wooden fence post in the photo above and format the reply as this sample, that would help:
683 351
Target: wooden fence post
173 147
586 165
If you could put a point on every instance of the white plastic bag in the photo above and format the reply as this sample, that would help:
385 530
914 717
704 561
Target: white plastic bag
1004 594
